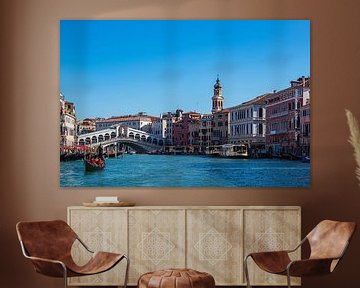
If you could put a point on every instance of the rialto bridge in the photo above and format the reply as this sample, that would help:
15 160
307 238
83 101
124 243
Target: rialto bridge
140 141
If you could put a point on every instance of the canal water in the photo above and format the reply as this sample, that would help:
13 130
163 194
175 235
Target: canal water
142 170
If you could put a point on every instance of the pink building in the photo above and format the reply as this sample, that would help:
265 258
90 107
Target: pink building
283 118
182 136
305 129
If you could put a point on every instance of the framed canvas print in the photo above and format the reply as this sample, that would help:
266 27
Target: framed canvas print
185 103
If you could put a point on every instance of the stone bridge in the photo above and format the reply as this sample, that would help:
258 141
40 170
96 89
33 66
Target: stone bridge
138 140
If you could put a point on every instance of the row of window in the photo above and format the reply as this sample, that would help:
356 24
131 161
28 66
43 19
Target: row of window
280 109
284 126
247 129
247 113
306 112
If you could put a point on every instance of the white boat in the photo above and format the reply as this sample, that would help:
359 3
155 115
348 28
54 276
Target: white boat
234 151
213 150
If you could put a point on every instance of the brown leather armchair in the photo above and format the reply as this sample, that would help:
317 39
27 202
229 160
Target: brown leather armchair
48 245
328 242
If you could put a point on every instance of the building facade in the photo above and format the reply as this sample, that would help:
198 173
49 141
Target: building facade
220 127
283 119
181 129
85 126
205 131
67 123
158 128
171 118
305 129
139 122
247 123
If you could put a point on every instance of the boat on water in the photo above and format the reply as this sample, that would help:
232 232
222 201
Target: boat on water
234 151
94 163
305 159
213 150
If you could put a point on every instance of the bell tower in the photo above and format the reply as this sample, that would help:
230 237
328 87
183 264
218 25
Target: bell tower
217 99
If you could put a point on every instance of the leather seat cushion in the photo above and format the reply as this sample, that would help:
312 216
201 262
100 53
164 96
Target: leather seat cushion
176 278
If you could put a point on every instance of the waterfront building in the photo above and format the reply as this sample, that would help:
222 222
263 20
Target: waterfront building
141 121
247 123
220 127
67 123
205 131
181 129
305 128
171 118
217 99
85 126
283 118
158 127
193 142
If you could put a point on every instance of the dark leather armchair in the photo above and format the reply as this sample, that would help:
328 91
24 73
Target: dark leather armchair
48 245
328 242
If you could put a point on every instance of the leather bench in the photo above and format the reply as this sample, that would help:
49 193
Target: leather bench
176 278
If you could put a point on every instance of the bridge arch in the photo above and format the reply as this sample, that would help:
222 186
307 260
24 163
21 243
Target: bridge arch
107 136
137 136
131 135
88 141
143 138
81 142
113 135
94 140
101 138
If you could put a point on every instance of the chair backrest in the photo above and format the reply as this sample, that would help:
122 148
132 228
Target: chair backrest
329 239
46 239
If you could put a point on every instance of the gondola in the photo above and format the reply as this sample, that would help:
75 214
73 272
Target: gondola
92 165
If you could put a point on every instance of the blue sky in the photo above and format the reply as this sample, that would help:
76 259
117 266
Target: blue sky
116 67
